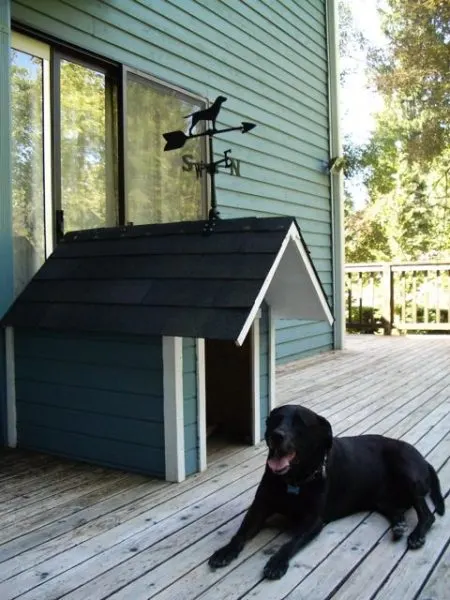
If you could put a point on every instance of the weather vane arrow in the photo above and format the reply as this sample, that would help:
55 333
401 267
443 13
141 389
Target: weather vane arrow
177 139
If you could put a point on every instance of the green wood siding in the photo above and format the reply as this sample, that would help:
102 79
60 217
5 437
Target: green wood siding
190 406
270 60
93 398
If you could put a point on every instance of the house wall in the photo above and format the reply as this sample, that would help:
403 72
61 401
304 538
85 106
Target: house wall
270 60
93 398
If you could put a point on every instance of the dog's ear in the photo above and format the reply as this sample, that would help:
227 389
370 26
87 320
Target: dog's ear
326 431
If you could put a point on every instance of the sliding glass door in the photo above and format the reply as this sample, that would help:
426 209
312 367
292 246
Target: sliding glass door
31 181
87 140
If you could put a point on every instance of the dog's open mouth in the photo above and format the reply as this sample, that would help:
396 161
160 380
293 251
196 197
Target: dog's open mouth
280 465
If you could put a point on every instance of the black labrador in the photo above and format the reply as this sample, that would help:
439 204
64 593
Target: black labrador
313 479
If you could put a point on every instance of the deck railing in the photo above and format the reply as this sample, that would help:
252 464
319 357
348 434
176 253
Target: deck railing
405 296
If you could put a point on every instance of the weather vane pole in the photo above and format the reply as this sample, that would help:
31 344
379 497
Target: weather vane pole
177 139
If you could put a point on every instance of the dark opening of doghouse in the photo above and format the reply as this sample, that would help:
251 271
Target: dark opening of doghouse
228 393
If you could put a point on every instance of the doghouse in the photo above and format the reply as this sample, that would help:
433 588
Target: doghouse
132 344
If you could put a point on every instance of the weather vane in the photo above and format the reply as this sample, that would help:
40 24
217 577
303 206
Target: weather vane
177 139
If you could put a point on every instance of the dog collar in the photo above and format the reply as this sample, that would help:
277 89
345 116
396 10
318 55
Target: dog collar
294 487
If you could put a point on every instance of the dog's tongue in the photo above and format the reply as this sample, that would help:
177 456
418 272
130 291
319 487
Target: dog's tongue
279 464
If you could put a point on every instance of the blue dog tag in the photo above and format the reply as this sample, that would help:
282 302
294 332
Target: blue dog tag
293 489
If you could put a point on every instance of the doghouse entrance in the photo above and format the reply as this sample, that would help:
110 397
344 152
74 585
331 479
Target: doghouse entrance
228 393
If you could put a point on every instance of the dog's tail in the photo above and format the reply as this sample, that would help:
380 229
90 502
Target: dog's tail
435 491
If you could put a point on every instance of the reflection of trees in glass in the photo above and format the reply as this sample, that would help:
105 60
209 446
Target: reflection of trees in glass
87 148
27 166
158 189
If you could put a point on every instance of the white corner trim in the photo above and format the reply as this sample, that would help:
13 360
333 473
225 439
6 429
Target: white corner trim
256 372
173 408
201 404
272 359
265 286
11 413
336 178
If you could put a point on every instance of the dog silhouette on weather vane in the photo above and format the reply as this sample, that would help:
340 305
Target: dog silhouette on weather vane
177 139
207 114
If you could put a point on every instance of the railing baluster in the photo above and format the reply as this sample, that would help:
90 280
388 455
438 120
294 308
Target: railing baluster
438 296
426 317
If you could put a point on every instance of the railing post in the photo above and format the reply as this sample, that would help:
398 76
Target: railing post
388 298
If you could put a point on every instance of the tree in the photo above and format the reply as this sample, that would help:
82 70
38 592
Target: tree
405 165
413 69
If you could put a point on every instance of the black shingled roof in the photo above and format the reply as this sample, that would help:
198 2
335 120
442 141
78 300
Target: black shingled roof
164 279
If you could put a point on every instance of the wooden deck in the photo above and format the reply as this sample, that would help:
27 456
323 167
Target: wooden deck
77 532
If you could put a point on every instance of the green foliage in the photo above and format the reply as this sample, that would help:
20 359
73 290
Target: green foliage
405 165
414 69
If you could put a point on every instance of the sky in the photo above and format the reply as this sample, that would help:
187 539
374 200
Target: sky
359 103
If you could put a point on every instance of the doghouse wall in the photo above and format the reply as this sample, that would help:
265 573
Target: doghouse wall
91 398
191 450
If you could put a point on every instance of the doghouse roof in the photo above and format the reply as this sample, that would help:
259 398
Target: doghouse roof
172 279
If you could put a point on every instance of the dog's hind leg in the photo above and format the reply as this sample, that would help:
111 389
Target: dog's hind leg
426 519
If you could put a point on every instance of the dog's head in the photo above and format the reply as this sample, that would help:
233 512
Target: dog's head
296 436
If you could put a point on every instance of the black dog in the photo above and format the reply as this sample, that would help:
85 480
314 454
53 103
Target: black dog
207 114
314 478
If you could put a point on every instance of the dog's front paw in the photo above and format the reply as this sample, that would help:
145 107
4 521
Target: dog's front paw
223 556
415 541
276 567
399 530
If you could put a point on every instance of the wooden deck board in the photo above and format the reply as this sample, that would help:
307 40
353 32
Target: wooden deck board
73 531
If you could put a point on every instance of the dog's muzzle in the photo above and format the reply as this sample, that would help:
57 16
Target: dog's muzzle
281 453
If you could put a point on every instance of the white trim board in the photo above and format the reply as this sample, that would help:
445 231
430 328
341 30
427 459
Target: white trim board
336 176
256 381
173 408
201 403
291 288
272 358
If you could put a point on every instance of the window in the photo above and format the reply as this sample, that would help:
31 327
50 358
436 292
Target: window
86 136
88 149
160 186
30 141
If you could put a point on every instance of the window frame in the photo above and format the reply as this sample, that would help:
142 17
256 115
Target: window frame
111 72
118 72
28 45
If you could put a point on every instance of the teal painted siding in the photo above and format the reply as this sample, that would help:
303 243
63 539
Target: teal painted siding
270 60
264 368
92 398
190 406
6 265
